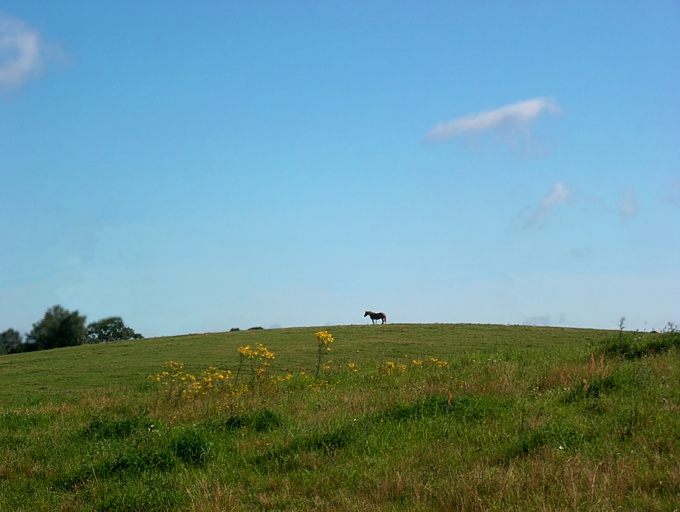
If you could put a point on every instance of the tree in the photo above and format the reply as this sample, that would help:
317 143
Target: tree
110 329
58 328
10 341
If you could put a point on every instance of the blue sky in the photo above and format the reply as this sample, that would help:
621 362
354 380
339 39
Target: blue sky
198 166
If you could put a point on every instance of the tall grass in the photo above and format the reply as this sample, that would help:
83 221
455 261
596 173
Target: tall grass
407 418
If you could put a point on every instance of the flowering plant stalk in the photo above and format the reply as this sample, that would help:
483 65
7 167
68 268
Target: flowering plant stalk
323 338
257 359
176 383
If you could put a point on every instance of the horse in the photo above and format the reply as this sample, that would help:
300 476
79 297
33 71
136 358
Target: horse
376 316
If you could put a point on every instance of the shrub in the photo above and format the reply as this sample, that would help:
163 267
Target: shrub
636 345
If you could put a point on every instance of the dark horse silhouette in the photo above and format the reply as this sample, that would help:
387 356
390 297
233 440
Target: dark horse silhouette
376 316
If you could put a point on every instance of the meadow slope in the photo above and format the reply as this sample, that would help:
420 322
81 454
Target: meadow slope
392 417
128 363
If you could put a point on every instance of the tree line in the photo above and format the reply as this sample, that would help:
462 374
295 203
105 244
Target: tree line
62 328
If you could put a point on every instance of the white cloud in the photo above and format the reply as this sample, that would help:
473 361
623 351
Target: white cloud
541 320
581 252
21 51
514 118
544 320
559 193
627 204
672 192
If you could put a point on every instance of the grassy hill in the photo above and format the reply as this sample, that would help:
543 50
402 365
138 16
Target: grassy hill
74 369
393 417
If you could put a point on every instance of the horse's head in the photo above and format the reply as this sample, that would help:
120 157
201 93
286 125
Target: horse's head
367 313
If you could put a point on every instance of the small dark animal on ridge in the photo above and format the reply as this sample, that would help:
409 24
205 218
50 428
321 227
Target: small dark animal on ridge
376 316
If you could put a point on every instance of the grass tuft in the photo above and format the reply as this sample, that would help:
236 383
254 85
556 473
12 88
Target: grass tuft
108 428
258 421
191 445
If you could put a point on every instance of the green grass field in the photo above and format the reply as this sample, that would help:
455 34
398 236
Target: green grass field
399 417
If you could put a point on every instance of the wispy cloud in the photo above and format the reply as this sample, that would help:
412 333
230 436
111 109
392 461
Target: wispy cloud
514 119
671 193
559 193
581 252
21 51
544 320
627 204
